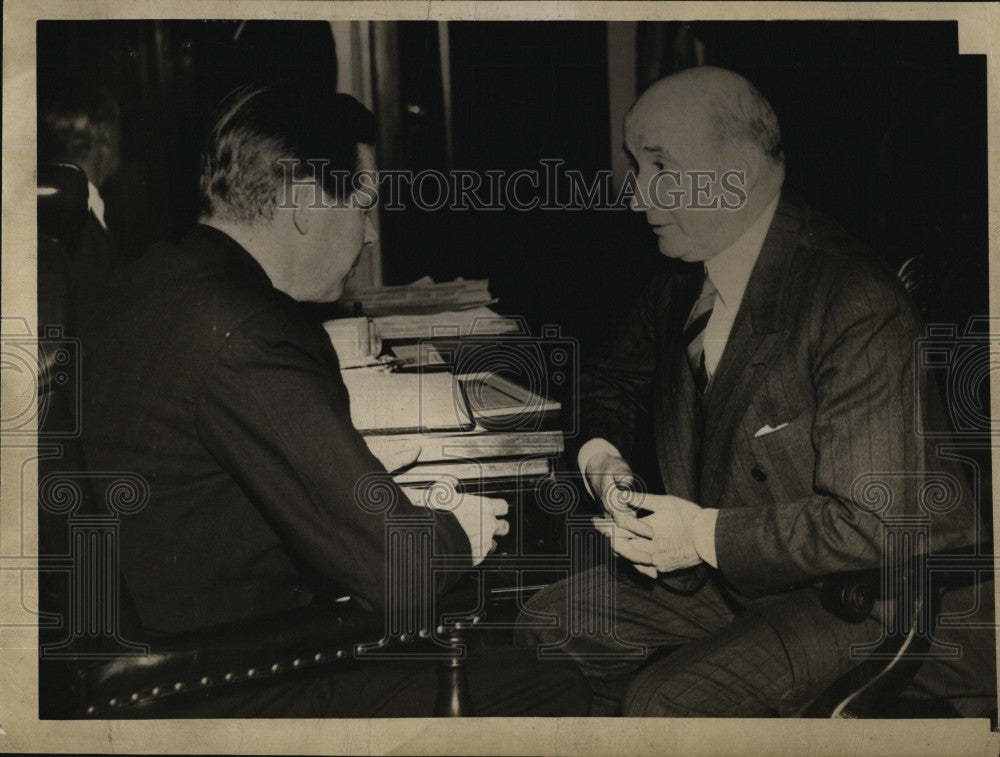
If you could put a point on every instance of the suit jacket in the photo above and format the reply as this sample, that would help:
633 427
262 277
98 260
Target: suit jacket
824 342
218 390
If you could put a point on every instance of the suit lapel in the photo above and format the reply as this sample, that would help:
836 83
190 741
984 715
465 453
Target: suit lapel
759 333
678 435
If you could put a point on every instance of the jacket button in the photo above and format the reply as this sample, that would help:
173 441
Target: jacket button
758 474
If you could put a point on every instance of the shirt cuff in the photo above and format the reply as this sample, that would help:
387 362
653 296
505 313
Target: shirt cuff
703 533
590 450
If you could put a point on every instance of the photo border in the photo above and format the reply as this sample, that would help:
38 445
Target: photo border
20 728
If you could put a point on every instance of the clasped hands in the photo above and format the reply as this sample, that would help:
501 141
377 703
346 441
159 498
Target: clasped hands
660 542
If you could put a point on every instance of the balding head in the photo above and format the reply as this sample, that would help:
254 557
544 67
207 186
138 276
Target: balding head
708 152
714 102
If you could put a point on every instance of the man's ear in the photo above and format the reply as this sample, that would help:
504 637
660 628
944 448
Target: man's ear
300 208
750 164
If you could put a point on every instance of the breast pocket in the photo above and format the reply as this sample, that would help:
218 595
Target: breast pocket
785 436
782 461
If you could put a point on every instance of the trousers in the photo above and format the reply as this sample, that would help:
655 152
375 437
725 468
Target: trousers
647 649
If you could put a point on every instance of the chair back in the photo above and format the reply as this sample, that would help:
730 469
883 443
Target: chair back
86 613
62 200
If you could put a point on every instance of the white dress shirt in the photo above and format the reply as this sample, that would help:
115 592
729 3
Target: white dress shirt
730 272
95 203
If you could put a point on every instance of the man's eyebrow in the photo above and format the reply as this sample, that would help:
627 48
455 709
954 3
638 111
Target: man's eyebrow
653 149
658 150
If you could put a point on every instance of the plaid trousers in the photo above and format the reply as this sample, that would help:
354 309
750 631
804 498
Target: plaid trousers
655 651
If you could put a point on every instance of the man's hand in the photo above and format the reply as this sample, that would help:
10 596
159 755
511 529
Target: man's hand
610 479
479 517
393 453
669 544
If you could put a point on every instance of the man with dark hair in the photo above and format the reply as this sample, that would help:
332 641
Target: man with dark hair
778 368
79 123
205 375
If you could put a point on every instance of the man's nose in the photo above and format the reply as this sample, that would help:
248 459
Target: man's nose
371 235
637 202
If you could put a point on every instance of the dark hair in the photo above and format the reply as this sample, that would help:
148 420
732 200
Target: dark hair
259 129
749 117
68 116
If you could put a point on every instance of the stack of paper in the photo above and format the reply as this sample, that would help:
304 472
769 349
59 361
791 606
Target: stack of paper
480 430
479 444
477 474
422 296
464 428
385 403
480 321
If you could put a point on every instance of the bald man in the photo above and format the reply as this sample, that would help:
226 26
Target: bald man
778 368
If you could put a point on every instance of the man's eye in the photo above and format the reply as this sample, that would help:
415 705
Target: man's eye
659 165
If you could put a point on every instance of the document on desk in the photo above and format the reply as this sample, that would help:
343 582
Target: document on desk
422 296
479 444
480 321
392 403
474 471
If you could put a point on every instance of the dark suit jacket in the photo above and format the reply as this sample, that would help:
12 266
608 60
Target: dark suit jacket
215 387
824 342
90 256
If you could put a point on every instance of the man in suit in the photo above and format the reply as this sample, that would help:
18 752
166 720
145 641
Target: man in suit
777 365
204 374
79 123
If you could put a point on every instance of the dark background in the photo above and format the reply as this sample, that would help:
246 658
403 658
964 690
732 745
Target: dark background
884 127
883 123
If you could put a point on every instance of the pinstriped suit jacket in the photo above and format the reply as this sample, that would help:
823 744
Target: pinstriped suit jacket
824 342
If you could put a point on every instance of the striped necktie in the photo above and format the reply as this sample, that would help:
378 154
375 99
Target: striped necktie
694 333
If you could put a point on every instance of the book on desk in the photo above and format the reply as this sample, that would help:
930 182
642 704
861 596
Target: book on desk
476 426
481 430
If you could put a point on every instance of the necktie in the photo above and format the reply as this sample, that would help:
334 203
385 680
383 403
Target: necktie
694 333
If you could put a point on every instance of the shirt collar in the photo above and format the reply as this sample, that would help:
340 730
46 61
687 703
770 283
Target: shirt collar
96 204
730 270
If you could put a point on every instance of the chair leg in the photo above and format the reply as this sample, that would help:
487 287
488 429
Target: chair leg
454 698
